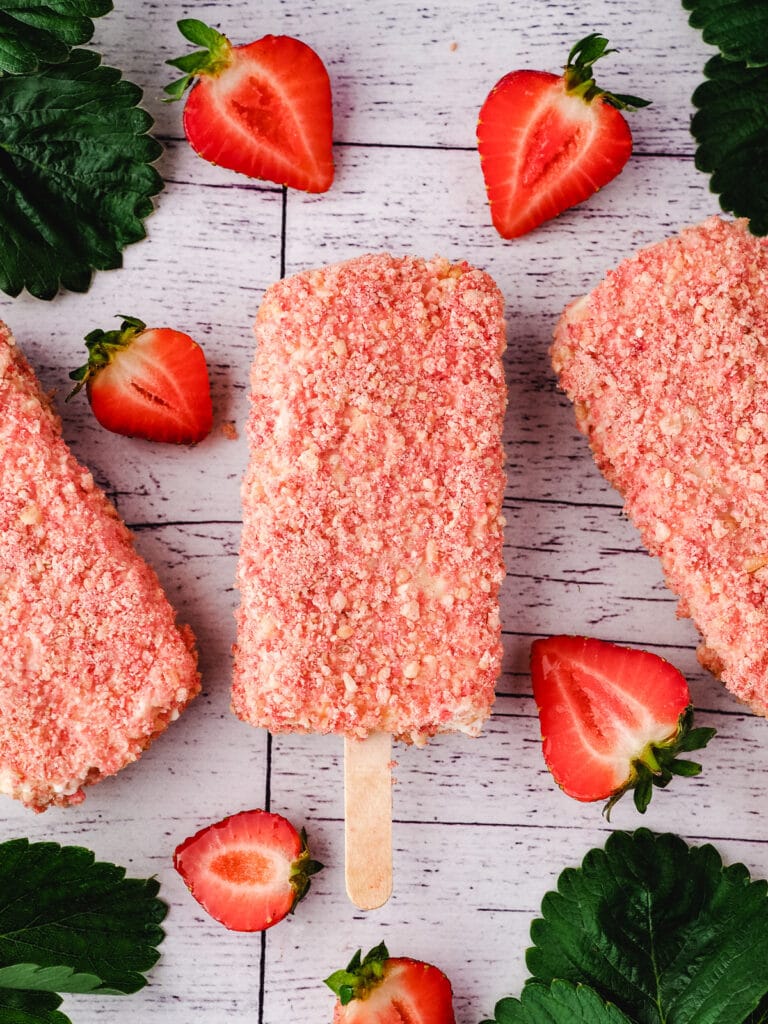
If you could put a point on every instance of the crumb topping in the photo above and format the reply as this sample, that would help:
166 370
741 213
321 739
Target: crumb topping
371 559
93 664
667 362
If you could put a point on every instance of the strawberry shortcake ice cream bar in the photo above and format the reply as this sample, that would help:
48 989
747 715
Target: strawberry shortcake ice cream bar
666 362
371 553
93 664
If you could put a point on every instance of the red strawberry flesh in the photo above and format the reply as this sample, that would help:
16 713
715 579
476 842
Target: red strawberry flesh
411 992
600 707
548 142
156 388
147 382
544 150
391 990
267 113
246 870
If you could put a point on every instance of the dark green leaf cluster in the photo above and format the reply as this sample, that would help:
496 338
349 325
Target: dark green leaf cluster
731 129
76 174
556 1004
738 28
34 33
75 189
70 924
648 930
731 124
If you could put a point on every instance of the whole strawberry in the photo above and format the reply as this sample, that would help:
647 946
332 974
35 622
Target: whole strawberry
379 989
263 109
612 718
547 142
149 382
249 870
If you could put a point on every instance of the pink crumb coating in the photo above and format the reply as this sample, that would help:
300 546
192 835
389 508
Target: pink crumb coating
371 555
667 363
93 665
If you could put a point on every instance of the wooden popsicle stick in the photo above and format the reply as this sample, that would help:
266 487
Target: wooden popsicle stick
368 819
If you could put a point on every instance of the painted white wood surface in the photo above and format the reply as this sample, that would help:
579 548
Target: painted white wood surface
480 831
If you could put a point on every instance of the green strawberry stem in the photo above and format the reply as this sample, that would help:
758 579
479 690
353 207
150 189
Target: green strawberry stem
211 60
658 763
648 758
102 347
580 82
360 975
301 871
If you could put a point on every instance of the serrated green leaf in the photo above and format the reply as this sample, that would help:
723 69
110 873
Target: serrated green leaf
48 979
731 129
760 1016
738 28
76 174
559 1003
30 1008
661 929
35 32
61 908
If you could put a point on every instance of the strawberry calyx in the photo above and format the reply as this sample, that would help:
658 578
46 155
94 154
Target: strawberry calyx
302 870
102 347
658 763
579 80
211 60
360 975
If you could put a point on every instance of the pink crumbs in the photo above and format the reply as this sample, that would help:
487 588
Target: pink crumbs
371 554
667 363
93 666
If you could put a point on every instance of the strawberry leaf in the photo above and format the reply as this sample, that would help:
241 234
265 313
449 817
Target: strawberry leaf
661 929
731 129
48 979
30 1008
34 32
760 1016
74 191
738 28
560 1003
60 909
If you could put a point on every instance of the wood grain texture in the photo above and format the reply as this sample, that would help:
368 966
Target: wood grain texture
480 832
368 820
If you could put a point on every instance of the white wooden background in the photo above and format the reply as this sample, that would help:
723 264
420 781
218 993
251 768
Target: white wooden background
480 831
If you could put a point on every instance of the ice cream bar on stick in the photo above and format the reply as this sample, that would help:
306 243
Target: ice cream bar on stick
94 665
371 553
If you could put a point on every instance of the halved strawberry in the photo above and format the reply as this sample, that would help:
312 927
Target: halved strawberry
612 718
249 870
147 382
263 109
547 142
380 989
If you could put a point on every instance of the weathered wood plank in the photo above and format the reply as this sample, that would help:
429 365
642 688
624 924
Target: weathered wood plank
406 73
480 830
